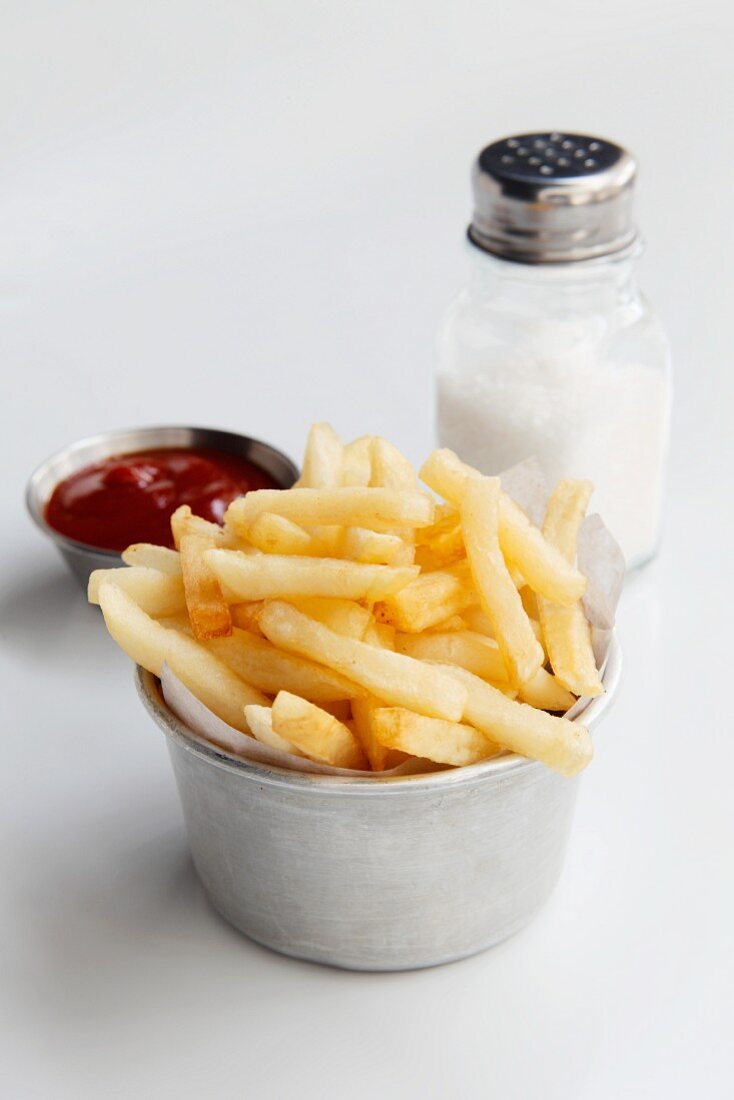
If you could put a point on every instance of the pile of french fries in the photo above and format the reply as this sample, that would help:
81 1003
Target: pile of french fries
357 621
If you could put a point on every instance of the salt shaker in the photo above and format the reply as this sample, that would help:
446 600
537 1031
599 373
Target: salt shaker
552 350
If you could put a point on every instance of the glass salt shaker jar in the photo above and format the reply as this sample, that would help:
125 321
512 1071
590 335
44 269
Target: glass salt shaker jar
552 350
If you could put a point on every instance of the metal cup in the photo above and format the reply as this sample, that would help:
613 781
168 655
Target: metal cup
81 558
374 873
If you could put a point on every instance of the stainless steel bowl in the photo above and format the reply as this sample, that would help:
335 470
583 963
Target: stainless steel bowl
82 558
374 874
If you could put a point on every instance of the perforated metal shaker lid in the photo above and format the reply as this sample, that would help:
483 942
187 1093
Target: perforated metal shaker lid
552 198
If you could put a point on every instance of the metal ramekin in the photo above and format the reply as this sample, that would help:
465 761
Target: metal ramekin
82 558
374 874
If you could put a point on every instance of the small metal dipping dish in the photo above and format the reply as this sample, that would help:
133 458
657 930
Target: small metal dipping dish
81 558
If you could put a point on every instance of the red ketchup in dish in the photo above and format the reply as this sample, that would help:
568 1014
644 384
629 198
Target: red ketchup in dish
129 498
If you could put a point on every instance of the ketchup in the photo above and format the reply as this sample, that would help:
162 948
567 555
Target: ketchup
129 498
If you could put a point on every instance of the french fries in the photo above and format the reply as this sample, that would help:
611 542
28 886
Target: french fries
474 652
390 676
373 547
260 721
157 594
207 608
138 635
344 616
381 634
316 732
562 745
545 692
542 566
354 622
277 535
273 576
357 462
147 554
322 462
269 669
444 742
498 596
429 599
151 645
390 468
356 506
565 629
245 615
184 522
380 757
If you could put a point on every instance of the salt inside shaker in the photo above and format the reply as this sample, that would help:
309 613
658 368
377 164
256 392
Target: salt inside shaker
552 350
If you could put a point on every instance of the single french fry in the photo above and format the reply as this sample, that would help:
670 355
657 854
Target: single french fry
390 468
381 758
392 677
565 511
546 692
316 733
269 669
207 608
445 473
151 645
566 631
153 557
541 565
563 745
322 461
138 635
184 522
567 636
445 742
357 462
277 535
157 594
378 509
429 599
474 652
260 721
288 577
374 547
500 600
342 616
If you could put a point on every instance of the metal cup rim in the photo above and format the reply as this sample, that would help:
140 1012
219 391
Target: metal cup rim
148 435
149 690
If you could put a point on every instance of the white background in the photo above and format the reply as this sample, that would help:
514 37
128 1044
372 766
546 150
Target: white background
251 215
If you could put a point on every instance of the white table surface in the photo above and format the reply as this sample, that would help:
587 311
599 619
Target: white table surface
251 215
